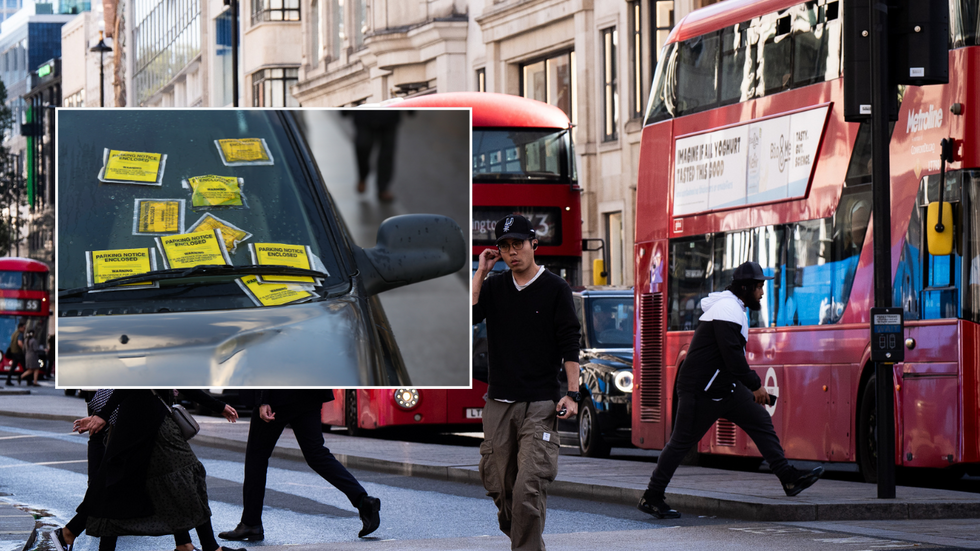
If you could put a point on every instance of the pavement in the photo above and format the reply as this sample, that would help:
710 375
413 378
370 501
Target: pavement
693 491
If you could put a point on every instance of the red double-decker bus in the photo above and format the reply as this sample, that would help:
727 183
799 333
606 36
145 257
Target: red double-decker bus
746 155
23 297
523 162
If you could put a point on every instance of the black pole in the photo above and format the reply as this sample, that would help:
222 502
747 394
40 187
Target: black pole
881 191
101 79
234 52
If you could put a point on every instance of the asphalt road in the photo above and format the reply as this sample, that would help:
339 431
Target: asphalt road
42 469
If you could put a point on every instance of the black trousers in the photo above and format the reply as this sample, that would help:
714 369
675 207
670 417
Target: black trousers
364 141
262 438
695 415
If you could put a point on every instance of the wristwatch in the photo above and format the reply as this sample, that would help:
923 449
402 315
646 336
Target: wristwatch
575 396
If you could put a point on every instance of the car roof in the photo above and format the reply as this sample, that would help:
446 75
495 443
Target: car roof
602 290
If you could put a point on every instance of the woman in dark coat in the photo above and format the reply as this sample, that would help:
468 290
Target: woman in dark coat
150 483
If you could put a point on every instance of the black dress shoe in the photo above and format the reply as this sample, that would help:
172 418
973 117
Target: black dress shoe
801 481
370 510
656 506
244 533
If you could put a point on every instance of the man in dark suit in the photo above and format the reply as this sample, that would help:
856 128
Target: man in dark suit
300 409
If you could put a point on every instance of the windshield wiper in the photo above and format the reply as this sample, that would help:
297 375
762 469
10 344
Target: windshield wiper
196 271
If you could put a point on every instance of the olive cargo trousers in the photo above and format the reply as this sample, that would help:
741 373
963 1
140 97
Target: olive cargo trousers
519 458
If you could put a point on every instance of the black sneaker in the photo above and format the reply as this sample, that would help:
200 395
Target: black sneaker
244 533
370 511
656 506
800 481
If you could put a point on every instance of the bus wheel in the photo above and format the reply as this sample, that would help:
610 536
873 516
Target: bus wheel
350 414
590 441
867 433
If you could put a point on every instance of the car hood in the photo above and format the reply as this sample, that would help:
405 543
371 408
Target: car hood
324 343
615 358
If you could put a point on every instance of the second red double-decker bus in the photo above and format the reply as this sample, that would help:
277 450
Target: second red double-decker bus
23 297
746 156
523 162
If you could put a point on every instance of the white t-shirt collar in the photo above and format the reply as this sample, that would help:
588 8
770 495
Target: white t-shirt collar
522 287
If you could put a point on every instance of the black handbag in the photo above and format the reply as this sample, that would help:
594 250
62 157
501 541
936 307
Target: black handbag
185 421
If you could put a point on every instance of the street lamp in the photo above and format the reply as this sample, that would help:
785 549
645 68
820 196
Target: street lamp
102 48
234 50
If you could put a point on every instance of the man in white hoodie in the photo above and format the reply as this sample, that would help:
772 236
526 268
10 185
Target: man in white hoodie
716 382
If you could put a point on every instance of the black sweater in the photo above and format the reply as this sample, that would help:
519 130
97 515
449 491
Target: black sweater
530 334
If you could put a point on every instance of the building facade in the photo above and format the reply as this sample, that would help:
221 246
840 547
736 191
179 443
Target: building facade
594 59
30 66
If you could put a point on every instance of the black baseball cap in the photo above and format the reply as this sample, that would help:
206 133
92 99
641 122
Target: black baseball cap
750 270
513 226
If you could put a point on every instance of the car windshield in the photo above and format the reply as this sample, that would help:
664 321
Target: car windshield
612 322
520 155
131 182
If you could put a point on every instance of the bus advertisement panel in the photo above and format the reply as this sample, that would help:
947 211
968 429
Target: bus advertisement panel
746 155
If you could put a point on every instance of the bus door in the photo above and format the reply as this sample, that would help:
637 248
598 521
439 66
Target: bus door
929 288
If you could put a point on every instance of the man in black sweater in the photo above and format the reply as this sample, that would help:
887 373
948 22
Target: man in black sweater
532 332
300 409
716 381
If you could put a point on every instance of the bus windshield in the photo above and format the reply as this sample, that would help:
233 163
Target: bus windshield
521 155
25 281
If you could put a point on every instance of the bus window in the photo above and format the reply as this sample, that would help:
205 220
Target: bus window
816 43
809 273
928 286
763 245
776 55
737 64
664 87
696 74
964 23
971 248
690 266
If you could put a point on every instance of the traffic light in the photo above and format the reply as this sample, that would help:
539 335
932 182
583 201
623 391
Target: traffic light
920 36
918 46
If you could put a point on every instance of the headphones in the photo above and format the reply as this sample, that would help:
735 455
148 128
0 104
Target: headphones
534 244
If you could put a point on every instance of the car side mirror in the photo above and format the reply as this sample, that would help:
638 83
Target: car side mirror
411 248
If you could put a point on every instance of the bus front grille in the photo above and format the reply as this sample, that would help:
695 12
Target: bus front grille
651 356
724 433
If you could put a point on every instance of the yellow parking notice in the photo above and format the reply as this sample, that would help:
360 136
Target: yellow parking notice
232 234
272 294
132 167
280 254
113 264
244 152
215 191
158 216
193 249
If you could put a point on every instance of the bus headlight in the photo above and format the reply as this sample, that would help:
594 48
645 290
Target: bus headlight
406 398
624 381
